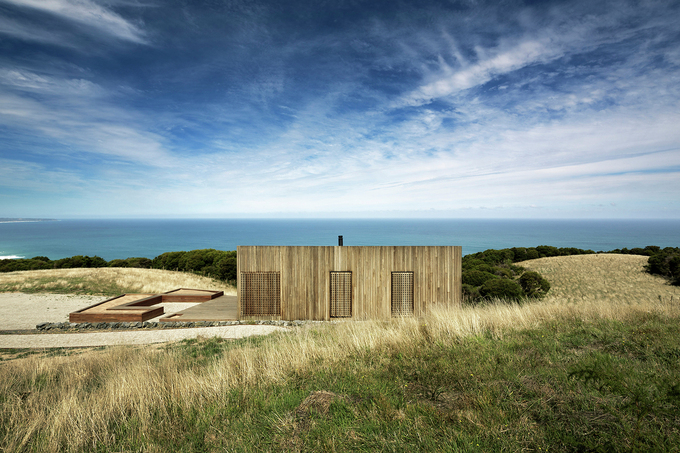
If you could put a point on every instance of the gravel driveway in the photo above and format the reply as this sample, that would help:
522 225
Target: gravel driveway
70 340
20 311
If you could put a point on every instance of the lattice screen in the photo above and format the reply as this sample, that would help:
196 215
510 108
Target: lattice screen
260 293
402 293
341 294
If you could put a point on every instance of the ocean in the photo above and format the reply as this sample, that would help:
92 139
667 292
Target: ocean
111 239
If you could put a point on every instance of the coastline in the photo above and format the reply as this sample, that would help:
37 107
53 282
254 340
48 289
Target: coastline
122 238
27 220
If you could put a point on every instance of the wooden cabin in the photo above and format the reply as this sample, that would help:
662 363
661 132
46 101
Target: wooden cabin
359 282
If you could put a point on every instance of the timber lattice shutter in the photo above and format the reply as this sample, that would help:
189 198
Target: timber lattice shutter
402 293
341 294
260 293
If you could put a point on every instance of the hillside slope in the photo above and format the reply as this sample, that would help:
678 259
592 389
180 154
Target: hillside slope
603 278
106 281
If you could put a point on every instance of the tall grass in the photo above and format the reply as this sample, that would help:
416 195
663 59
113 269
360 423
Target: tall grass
74 403
106 281
602 278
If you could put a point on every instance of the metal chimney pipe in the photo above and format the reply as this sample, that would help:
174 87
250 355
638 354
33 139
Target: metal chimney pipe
340 241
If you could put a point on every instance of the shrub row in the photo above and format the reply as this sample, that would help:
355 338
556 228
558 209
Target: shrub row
209 262
480 270
43 262
666 262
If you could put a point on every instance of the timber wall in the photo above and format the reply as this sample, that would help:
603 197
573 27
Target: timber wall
305 277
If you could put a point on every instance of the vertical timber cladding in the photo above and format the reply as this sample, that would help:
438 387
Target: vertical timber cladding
305 277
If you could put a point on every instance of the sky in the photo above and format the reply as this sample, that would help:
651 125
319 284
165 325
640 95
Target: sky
453 109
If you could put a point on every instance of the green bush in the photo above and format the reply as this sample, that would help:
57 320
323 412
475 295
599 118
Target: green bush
501 288
218 264
226 268
13 265
79 261
42 258
533 284
532 254
471 293
666 263
143 263
503 272
482 267
168 261
477 278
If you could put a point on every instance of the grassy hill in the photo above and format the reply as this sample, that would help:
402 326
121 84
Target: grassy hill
592 367
105 281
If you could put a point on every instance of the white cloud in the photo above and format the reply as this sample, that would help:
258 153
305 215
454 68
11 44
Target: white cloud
454 81
28 81
77 115
31 33
84 12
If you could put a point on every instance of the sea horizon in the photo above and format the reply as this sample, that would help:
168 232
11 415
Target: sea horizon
142 237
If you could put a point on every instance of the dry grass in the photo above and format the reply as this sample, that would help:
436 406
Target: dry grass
69 403
106 281
602 278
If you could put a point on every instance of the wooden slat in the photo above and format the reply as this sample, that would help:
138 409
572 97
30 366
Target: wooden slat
305 277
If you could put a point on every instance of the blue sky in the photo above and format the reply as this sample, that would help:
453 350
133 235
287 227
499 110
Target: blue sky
135 108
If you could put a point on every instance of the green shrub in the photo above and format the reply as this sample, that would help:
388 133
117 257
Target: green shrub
503 272
42 258
79 261
168 261
477 278
470 293
218 264
501 288
532 254
533 284
666 263
226 268
12 265
483 267
142 263
547 251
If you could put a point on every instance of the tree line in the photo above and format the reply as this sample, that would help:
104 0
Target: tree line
488 274
213 263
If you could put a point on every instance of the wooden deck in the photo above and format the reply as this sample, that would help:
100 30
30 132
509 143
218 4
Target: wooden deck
223 308
212 306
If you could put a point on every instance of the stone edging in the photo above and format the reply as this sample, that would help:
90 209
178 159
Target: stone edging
78 326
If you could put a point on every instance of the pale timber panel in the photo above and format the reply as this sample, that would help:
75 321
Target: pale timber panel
305 277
